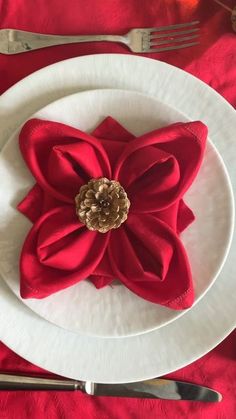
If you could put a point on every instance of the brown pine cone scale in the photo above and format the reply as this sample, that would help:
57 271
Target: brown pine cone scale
102 205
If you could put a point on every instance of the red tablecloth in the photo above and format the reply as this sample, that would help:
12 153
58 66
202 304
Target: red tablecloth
213 61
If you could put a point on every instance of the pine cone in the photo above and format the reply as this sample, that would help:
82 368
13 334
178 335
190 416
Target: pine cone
102 204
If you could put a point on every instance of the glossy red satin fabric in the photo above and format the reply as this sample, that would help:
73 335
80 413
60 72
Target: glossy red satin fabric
155 170
213 61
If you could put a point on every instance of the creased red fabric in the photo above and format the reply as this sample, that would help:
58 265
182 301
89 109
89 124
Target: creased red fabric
145 253
213 61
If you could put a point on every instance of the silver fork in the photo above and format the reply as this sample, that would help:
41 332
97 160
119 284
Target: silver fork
142 40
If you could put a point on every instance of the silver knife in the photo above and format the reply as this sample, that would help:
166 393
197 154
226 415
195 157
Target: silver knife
158 388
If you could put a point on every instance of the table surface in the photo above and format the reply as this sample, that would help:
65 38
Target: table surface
214 62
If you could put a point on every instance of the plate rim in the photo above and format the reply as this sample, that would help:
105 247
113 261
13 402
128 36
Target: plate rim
229 324
176 314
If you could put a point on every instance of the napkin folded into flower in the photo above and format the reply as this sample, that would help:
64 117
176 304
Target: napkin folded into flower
145 253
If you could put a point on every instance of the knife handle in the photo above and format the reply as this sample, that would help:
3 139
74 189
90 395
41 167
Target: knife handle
158 388
18 382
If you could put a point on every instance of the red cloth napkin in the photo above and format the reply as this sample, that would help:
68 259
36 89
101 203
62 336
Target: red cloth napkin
213 61
144 253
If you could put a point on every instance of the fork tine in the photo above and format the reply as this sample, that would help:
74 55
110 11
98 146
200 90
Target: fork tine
173 40
170 48
169 34
177 26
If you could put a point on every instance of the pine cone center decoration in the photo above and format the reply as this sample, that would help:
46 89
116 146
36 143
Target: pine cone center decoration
102 204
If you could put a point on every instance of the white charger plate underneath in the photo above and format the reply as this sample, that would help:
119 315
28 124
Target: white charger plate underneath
180 342
115 311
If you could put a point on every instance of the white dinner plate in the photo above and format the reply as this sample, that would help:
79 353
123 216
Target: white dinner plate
81 308
201 328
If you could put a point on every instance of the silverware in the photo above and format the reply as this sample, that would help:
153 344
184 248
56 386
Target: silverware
146 40
232 11
157 388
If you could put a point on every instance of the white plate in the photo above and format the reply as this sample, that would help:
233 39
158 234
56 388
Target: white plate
81 308
208 322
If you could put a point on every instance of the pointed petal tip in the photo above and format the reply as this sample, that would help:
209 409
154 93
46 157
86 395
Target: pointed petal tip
31 122
25 292
183 302
199 129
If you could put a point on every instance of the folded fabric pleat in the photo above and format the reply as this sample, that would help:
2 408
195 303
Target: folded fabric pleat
145 253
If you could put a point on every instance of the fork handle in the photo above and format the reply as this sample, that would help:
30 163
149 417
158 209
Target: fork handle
13 41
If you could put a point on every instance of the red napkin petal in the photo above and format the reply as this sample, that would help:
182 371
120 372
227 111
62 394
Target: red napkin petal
113 138
162 165
178 216
103 274
155 265
110 129
155 169
58 252
185 217
62 158
36 203
32 205
110 133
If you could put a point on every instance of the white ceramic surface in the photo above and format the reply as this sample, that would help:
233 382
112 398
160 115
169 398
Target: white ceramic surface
115 311
201 328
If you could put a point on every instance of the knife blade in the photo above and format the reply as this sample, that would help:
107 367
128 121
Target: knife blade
157 388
